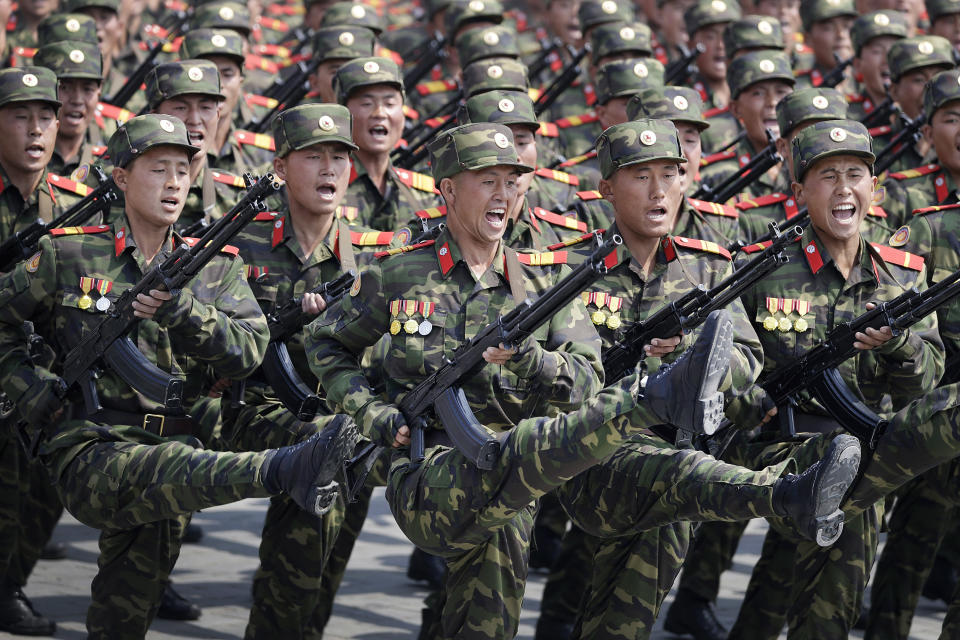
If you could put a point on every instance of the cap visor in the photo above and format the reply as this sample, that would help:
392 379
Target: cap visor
325 139
56 103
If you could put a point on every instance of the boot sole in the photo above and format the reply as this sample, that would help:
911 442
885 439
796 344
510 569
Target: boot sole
708 409
338 448
840 469
323 498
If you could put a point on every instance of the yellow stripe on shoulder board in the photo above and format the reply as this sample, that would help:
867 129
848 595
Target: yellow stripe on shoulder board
543 259
228 178
371 238
67 184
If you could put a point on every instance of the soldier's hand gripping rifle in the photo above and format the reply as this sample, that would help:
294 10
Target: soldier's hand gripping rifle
678 71
440 393
22 244
562 82
430 57
108 340
899 145
758 165
135 81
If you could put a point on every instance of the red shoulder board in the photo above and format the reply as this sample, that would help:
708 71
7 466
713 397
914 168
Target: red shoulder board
410 247
285 9
939 207
576 121
227 248
762 201
567 222
25 52
589 195
117 113
559 176
98 150
255 100
415 180
802 72
916 172
266 216
882 130
73 231
371 238
715 208
384 52
436 86
543 259
716 111
897 257
759 246
718 156
229 178
410 112
260 140
876 212
571 242
575 160
702 245
433 123
68 185
548 129
853 98
273 50
432 213
253 61
273 24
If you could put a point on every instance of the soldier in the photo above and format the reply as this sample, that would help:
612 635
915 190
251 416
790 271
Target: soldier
336 45
22 24
826 30
944 20
873 34
752 33
415 296
110 37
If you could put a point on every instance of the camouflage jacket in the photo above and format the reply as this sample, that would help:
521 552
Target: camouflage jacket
429 303
90 151
215 320
577 134
722 166
591 207
405 192
553 190
883 135
708 221
918 188
244 152
586 168
814 75
723 127
53 196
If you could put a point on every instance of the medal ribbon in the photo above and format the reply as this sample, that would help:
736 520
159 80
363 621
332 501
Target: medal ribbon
86 284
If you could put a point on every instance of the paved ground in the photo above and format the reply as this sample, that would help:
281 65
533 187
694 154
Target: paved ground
377 602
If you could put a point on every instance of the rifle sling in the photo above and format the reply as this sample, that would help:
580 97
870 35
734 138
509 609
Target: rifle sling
517 285
345 247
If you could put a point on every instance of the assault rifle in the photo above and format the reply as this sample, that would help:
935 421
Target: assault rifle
109 341
133 83
412 155
290 92
562 82
22 244
440 392
758 165
548 46
678 71
836 75
433 54
900 143
881 114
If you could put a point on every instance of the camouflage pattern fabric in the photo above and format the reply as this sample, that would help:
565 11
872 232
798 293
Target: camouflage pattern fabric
632 38
71 59
758 66
200 43
704 13
343 42
679 104
773 181
809 105
353 13
184 77
364 72
404 192
724 128
938 8
76 27
626 77
917 52
752 32
594 13
27 84
489 42
637 141
819 10
473 146
710 554
222 15
876 24
506 74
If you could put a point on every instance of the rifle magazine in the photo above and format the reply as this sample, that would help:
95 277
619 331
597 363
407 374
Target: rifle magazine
469 436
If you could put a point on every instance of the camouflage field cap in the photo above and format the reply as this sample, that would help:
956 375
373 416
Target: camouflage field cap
809 105
68 59
494 73
937 8
707 12
504 107
334 43
621 37
464 12
678 104
73 6
918 52
200 43
942 89
364 72
830 138
222 15
752 32
593 13
180 78
812 11
626 77
27 84
757 66
76 27
142 133
489 42
309 124
433 7
473 146
353 14
878 23
637 141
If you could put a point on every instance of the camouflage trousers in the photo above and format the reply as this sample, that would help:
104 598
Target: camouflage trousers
569 576
710 555
480 521
138 494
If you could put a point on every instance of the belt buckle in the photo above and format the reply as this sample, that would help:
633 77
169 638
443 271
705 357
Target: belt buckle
152 419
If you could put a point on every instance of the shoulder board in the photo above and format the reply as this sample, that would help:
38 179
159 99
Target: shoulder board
285 9
876 211
385 52
762 201
534 93
714 208
432 213
567 222
915 173
12 23
576 121
718 156
227 248
168 47
117 113
410 113
98 150
229 178
436 86
898 257
854 98
702 245
802 72
544 259
253 61
68 185
266 216
933 209
273 24
272 50
260 140
548 129
716 111
575 160
433 123
880 131
25 52
73 231
589 195
371 238
571 242
379 255
759 246
415 180
255 100
559 176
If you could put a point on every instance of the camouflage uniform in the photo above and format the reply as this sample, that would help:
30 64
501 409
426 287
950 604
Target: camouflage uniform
875 24
817 11
341 43
751 33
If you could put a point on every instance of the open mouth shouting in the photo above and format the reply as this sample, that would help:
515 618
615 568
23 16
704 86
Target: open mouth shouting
73 117
35 151
845 212
657 214
196 137
169 204
379 132
327 191
495 217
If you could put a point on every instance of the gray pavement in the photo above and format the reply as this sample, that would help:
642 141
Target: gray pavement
376 602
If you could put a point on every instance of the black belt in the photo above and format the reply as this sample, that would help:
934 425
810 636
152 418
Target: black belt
157 423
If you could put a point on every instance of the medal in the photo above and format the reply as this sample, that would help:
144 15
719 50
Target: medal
411 326
103 303
784 325
598 317
769 323
425 328
613 322
85 302
395 327
800 325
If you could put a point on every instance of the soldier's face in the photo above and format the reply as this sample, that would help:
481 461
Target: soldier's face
872 65
377 118
155 186
787 12
613 112
109 28
28 131
690 142
231 81
200 114
944 132
908 91
322 79
563 22
670 17
478 203
838 192
525 140
317 177
646 197
712 63
38 9
79 98
948 27
831 36
756 109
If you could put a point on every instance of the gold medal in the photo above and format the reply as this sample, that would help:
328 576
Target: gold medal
784 325
613 322
85 302
800 325
769 323
411 326
598 317
395 327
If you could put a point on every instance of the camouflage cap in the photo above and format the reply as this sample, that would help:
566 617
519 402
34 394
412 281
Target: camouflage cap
473 146
494 73
830 138
464 12
333 43
707 12
309 124
200 43
757 66
626 77
678 104
504 107
28 84
621 37
142 133
68 59
490 42
752 32
363 72
937 8
637 141
73 6
918 52
222 15
812 11
76 27
433 7
182 77
942 89
593 13
353 14
809 105
878 23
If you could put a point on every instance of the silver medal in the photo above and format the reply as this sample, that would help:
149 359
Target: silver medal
425 327
103 303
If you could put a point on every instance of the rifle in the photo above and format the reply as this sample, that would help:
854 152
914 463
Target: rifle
548 46
562 82
758 165
402 154
133 83
802 219
678 71
290 92
22 244
434 53
409 159
836 75
880 115
440 392
899 145
109 341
